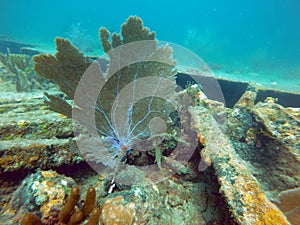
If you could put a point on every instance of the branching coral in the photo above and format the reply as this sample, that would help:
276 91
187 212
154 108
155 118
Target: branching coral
30 219
21 66
17 64
71 215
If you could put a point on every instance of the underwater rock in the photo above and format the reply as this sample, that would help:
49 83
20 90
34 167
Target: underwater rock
42 193
240 118
265 156
41 199
280 123
167 202
32 154
116 212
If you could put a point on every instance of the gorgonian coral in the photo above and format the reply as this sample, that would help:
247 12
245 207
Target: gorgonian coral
128 101
132 100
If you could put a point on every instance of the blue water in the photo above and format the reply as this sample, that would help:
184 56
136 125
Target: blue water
260 35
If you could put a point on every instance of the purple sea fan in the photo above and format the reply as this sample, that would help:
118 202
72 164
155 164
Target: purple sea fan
119 106
123 104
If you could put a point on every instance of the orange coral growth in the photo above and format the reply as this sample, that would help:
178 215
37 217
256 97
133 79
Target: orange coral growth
68 209
70 214
30 219
271 217
115 212
258 205
90 202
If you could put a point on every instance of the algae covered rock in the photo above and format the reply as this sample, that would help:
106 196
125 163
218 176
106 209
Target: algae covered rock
116 212
32 136
42 193
282 124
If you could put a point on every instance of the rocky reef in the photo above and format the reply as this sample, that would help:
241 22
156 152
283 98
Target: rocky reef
244 168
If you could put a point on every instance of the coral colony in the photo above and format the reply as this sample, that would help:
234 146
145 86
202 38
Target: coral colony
125 106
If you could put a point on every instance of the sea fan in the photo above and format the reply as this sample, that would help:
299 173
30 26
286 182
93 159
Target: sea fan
124 103
120 99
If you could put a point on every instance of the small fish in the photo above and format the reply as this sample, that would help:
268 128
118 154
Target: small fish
158 157
200 138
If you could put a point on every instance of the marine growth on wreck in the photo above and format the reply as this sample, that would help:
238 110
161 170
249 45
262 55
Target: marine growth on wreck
134 137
